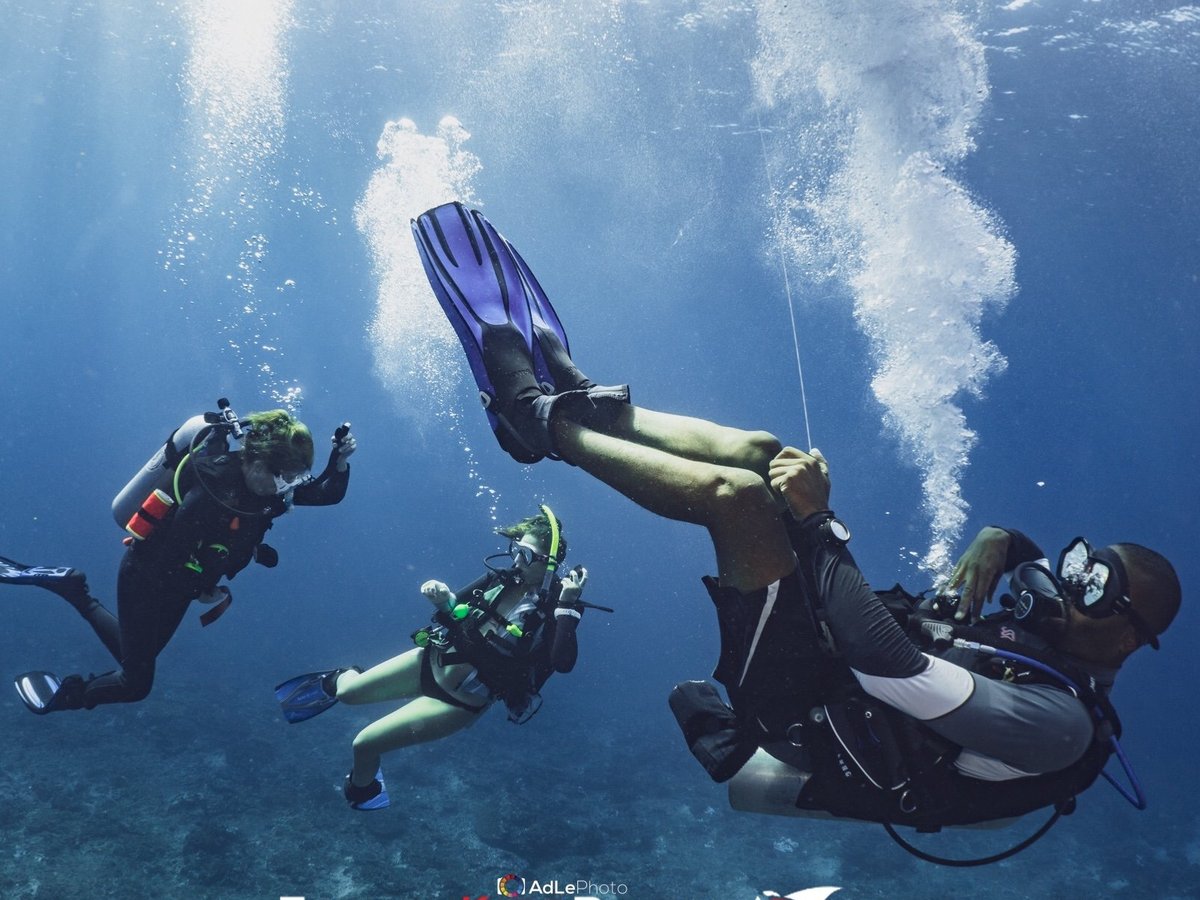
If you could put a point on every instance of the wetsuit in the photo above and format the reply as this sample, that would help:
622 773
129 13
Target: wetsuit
214 533
777 666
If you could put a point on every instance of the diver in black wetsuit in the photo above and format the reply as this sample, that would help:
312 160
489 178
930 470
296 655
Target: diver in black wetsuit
227 501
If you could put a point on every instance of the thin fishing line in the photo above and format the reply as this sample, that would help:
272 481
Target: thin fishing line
787 284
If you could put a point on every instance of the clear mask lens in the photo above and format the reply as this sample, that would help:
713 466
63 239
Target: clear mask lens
1083 575
523 555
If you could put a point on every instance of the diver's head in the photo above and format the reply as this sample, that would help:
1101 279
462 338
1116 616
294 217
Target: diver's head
1110 601
277 453
529 545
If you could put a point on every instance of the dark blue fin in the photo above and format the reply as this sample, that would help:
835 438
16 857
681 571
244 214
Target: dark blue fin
62 580
475 279
306 696
372 797
484 289
550 346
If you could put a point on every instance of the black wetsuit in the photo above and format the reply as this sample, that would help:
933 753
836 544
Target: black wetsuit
777 668
213 534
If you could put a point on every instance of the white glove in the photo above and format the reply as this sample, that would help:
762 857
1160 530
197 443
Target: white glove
572 586
345 447
437 593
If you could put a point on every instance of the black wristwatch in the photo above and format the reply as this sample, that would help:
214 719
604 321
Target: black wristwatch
834 533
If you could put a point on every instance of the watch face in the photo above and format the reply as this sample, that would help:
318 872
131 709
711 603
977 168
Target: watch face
839 530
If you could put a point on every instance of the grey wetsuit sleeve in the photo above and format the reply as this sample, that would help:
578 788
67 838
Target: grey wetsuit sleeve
869 638
1033 727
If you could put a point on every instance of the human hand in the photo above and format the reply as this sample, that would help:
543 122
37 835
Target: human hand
346 444
572 587
978 572
801 479
438 593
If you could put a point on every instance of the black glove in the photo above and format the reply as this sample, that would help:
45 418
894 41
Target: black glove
266 555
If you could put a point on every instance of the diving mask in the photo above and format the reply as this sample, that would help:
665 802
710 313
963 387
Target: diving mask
523 555
1096 583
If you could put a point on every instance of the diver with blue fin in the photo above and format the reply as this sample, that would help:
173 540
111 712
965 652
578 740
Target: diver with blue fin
879 707
497 639
196 513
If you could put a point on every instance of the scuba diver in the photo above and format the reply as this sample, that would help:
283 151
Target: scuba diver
499 638
197 512
879 707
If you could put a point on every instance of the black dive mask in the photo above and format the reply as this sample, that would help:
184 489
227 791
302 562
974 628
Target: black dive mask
1097 586
1040 607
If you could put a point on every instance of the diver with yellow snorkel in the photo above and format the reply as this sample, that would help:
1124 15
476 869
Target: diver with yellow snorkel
499 638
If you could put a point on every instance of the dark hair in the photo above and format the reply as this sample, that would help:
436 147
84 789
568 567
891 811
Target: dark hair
280 440
539 527
1160 594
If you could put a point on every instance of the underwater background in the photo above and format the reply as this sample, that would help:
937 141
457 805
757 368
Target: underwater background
987 217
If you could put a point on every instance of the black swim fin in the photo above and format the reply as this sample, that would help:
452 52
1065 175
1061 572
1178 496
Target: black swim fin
45 692
65 581
309 695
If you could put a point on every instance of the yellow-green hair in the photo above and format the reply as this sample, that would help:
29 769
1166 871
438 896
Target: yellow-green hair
280 440
539 527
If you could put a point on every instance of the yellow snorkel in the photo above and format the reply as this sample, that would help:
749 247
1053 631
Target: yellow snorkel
552 562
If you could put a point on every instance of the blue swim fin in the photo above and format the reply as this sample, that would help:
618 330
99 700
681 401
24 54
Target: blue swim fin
514 341
308 695
476 278
551 350
367 799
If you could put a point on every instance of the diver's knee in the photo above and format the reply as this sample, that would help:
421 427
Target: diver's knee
754 450
349 688
362 741
739 493
137 684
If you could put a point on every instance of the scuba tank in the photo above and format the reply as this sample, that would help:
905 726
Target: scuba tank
147 498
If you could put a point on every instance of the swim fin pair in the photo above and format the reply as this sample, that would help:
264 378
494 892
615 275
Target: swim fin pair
309 695
514 341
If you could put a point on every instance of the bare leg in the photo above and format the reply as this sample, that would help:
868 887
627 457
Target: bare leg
424 719
733 502
395 679
695 439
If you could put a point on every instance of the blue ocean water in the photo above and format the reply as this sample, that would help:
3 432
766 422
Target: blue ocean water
986 215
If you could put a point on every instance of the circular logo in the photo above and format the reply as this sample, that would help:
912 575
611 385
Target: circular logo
511 886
